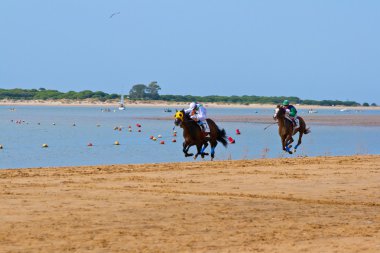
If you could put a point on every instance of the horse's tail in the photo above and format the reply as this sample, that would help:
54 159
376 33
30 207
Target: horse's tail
221 137
302 122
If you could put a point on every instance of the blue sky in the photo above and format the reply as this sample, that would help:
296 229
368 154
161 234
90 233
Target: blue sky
325 49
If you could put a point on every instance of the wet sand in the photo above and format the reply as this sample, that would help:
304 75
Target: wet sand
332 120
321 204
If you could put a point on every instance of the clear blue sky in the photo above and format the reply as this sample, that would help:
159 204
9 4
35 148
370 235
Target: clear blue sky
325 49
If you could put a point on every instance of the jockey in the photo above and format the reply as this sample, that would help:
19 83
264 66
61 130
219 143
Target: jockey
291 113
198 112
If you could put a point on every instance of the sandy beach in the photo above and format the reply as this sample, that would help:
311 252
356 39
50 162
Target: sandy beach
321 204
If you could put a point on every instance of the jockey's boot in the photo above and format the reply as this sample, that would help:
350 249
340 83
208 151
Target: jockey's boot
297 123
205 131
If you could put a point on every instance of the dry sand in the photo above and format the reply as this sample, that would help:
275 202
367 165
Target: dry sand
322 204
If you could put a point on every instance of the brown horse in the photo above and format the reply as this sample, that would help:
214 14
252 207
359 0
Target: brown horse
193 135
286 129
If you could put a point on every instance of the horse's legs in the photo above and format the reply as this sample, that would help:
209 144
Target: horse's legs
199 147
213 146
186 148
289 142
286 141
299 141
203 153
283 142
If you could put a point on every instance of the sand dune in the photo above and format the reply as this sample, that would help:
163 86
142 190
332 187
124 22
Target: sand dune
322 204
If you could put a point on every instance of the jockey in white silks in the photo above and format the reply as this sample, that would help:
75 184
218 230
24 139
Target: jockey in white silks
198 114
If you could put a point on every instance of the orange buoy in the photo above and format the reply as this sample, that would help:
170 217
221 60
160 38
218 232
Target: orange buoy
90 144
162 142
174 140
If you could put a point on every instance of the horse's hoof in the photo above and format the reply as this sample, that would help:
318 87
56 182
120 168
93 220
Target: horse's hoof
205 154
187 155
290 146
290 152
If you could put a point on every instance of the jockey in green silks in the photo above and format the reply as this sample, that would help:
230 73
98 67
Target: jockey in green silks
291 113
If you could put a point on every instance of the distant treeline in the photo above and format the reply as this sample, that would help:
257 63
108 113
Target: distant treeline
44 94
255 100
150 92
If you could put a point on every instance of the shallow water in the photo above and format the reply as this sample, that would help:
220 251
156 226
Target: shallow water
68 144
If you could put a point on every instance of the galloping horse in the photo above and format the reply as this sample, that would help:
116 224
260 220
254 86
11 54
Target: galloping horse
286 129
193 135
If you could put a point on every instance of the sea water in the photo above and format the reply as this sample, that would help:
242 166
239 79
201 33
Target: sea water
68 130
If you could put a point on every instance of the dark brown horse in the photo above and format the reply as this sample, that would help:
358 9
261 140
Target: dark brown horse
193 135
286 129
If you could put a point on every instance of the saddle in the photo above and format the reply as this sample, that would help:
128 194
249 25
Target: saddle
293 120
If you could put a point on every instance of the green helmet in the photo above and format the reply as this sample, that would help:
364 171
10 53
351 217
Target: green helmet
286 102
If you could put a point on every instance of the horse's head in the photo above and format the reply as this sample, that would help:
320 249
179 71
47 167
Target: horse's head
279 112
179 117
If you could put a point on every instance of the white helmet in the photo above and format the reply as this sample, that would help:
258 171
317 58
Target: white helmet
192 105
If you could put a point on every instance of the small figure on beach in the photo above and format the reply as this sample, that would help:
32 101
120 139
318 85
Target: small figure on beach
193 135
286 128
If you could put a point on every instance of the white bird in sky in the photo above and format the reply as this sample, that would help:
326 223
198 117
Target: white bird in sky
115 13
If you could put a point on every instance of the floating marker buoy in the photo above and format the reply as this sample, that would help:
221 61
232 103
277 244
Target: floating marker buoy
98 125
154 138
174 140
159 136
116 143
89 145
45 145
74 124
151 137
1 146
53 124
175 134
162 142
237 131
129 130
139 130
129 127
231 140
138 125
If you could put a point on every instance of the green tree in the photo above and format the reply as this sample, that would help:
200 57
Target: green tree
138 91
152 90
365 104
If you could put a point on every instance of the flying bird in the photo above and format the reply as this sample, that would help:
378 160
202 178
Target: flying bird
114 14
